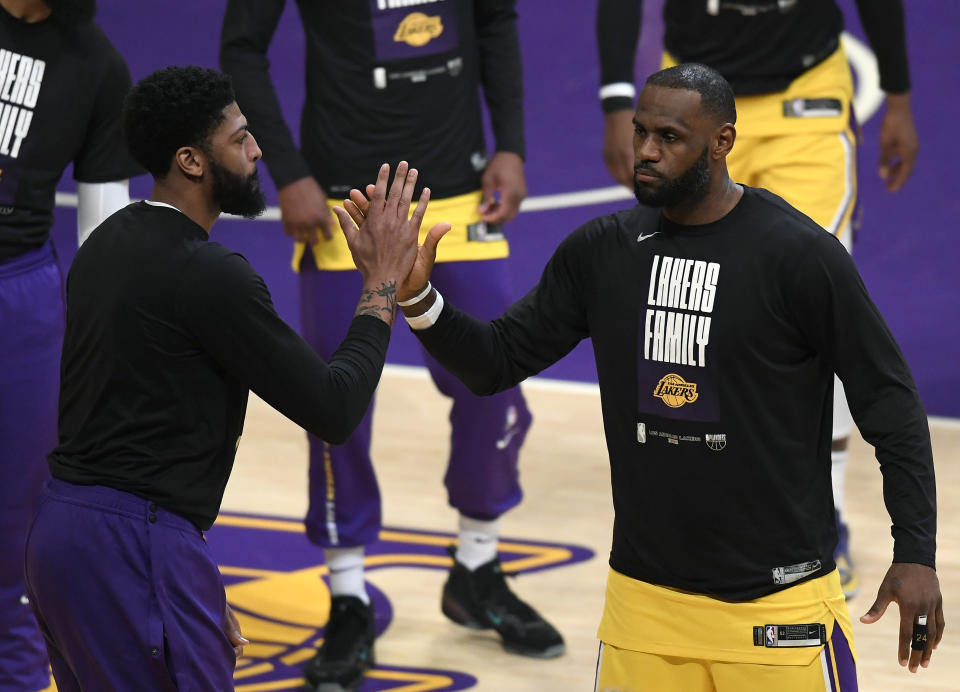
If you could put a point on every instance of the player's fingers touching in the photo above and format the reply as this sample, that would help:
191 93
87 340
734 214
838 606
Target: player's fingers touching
433 238
417 217
403 208
346 224
396 188
354 211
361 200
380 188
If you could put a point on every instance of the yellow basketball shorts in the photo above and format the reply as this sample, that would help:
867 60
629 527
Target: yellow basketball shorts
800 144
470 238
655 639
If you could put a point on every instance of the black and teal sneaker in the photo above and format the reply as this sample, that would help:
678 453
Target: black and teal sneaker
347 650
481 600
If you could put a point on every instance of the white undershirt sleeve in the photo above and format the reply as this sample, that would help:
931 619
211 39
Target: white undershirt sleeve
97 201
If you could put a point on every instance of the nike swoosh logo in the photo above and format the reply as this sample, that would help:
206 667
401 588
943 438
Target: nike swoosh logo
642 237
505 440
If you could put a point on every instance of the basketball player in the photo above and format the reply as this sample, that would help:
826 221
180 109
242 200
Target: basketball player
166 332
718 315
795 107
411 68
61 87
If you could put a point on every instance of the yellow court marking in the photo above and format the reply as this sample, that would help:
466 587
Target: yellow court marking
539 555
419 682
252 670
299 656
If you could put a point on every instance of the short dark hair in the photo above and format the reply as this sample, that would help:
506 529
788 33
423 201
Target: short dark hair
172 108
716 94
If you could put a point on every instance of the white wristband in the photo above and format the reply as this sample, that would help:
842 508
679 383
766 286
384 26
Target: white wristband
625 89
429 318
417 298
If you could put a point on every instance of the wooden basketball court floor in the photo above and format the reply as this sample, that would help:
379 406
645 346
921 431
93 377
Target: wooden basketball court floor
565 476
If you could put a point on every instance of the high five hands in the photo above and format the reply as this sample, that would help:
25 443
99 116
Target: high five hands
375 213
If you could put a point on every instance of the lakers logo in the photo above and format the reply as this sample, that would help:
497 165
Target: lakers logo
417 29
675 391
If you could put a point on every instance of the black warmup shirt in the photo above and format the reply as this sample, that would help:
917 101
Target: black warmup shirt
166 333
386 80
60 97
759 46
715 348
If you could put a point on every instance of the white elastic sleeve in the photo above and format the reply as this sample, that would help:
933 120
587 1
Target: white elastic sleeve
429 318
96 201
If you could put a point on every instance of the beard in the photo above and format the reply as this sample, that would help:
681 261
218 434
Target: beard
72 13
237 194
687 188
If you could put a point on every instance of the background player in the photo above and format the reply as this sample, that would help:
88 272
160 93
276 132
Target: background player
412 72
717 310
795 131
61 87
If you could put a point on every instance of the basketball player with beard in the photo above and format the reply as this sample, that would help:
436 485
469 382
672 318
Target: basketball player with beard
718 315
796 131
166 333
61 87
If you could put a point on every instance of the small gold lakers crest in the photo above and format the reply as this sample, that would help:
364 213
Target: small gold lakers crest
417 29
675 391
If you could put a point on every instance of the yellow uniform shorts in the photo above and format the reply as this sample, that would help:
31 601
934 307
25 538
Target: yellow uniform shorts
469 239
656 639
799 144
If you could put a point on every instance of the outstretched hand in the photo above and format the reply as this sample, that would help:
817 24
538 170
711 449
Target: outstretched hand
916 590
358 208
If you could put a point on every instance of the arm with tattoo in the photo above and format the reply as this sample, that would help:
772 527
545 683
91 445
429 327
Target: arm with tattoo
379 301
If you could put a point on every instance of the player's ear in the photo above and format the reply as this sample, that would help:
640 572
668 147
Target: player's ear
723 140
190 161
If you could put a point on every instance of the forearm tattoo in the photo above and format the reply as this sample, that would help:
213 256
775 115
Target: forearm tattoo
379 302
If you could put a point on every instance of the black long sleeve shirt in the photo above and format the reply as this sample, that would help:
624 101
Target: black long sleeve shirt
385 81
715 348
758 46
166 334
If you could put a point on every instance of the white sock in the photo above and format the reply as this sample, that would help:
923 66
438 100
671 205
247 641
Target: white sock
346 572
478 542
838 475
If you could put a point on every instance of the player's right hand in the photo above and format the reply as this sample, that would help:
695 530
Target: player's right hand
358 207
304 211
618 145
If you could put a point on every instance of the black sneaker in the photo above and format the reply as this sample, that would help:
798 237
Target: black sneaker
481 600
347 649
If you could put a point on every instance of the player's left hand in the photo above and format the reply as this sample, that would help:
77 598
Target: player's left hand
898 142
232 629
916 590
504 187
358 206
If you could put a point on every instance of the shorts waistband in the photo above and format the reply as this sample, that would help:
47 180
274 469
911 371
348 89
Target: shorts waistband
108 499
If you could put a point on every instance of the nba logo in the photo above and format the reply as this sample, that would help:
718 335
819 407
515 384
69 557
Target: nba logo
641 433
771 635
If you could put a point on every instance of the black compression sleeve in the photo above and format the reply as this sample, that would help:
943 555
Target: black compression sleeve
884 24
248 27
501 71
618 30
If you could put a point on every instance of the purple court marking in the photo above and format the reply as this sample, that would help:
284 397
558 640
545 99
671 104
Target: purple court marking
273 577
907 249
